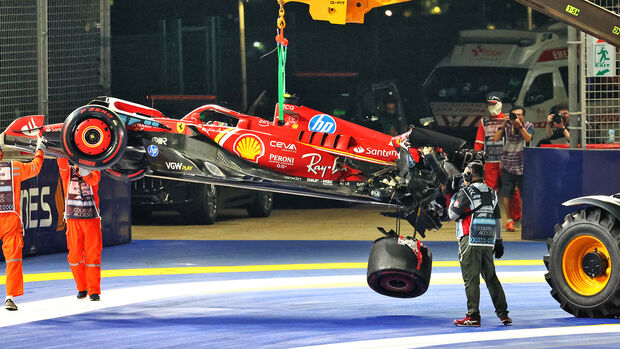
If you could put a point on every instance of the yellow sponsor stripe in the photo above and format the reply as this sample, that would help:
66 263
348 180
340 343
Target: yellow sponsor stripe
221 134
240 269
515 262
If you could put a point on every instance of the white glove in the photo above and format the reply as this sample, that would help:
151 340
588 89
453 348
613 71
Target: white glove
40 145
83 172
1 140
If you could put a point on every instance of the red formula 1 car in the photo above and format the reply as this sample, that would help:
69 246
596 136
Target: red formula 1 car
307 153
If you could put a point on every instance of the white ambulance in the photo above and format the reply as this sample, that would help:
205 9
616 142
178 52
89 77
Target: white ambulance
526 68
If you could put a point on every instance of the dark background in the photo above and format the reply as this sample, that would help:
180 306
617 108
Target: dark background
403 47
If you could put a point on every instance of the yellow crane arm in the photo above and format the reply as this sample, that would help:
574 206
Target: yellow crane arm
343 11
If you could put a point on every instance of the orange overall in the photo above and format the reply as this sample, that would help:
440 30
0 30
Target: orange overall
11 224
83 236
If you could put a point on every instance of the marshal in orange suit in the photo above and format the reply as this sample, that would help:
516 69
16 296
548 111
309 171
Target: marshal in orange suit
12 173
83 227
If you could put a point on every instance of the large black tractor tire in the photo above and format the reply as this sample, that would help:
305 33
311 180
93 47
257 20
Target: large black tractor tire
94 137
207 204
584 264
262 205
131 167
392 269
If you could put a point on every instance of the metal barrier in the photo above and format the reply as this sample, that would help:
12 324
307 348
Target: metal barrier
601 94
54 56
553 176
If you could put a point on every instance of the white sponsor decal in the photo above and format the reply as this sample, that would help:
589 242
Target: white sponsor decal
178 166
27 129
284 146
160 140
35 200
358 149
292 178
52 129
263 123
282 161
174 165
381 152
314 167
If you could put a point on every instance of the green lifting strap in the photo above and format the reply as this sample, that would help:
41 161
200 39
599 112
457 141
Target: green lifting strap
281 80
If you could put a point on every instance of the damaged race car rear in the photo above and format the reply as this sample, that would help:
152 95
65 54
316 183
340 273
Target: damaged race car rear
308 153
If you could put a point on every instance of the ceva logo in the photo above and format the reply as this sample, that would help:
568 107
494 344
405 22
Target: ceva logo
322 123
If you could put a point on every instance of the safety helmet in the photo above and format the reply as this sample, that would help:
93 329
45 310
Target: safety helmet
494 104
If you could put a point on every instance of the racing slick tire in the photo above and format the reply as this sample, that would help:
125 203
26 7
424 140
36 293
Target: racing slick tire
262 205
207 203
392 269
94 137
130 168
584 264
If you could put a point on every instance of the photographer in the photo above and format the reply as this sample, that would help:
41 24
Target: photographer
516 132
558 121
476 212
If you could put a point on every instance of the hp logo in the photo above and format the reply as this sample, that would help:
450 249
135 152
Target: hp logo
152 150
322 123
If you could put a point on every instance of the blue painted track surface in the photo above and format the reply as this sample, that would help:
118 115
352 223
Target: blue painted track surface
256 315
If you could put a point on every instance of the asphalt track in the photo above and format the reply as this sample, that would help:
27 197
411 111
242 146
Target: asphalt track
282 294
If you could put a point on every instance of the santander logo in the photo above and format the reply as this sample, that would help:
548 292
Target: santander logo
358 149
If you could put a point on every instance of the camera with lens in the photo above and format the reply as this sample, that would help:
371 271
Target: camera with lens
557 119
512 116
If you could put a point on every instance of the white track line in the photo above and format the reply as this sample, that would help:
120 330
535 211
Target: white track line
70 305
472 337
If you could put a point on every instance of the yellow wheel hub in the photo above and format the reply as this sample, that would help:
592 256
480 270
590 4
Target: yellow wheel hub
573 270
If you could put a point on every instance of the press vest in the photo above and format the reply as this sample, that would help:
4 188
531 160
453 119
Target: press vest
7 203
482 225
80 201
486 132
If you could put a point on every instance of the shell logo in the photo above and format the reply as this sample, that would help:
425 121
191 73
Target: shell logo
249 147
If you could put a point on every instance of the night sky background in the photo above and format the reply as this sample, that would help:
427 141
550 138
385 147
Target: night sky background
403 47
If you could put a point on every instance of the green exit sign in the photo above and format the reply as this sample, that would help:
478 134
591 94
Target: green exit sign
572 10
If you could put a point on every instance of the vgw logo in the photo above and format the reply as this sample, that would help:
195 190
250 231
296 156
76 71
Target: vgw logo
322 123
